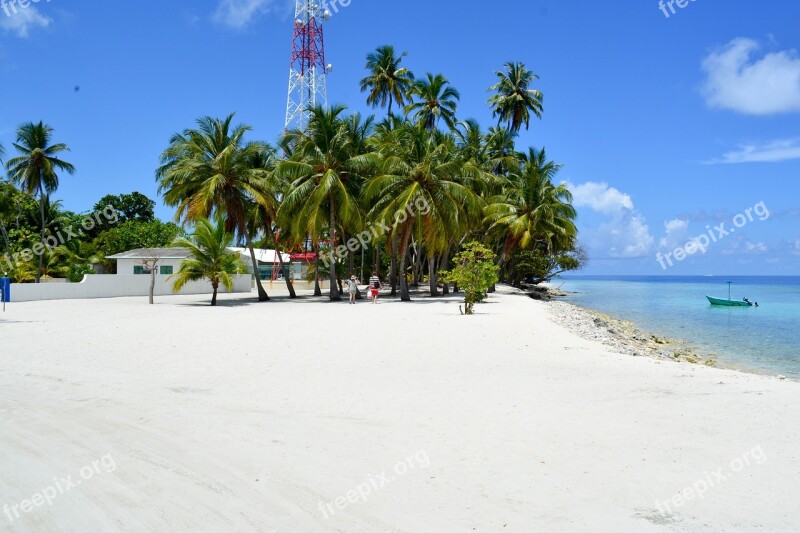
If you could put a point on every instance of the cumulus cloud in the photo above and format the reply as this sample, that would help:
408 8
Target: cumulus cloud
624 233
765 85
796 247
601 198
676 234
239 13
23 20
768 152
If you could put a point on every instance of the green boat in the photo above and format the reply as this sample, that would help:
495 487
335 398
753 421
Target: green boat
730 302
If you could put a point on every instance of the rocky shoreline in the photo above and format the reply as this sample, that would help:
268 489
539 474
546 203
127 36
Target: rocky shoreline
620 335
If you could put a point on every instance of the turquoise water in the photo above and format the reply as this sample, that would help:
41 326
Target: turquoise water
764 339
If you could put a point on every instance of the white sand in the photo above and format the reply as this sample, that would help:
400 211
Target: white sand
247 416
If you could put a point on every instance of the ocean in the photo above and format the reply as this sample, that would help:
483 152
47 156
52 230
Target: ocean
765 339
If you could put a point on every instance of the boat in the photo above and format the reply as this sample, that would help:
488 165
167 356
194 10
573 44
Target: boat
730 302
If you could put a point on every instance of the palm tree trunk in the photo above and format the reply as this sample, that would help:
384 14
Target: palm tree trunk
289 286
5 237
215 286
41 206
404 294
262 294
393 267
362 264
334 293
317 288
432 275
443 265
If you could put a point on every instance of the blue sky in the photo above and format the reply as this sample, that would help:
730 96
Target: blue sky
665 125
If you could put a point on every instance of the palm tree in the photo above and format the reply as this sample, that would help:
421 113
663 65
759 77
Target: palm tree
36 169
6 208
325 170
210 170
209 257
435 100
264 214
387 81
514 100
532 211
426 181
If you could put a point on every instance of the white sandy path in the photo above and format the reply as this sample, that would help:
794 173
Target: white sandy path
247 416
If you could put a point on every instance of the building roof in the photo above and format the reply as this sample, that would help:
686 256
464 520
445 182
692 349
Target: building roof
153 253
262 256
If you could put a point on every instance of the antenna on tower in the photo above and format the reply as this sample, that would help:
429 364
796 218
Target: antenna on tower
308 71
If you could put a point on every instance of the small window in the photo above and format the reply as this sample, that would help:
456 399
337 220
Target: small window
166 270
138 270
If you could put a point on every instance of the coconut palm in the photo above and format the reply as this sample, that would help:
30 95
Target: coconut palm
387 81
325 171
433 99
209 257
264 214
532 211
514 101
210 170
422 184
6 208
36 169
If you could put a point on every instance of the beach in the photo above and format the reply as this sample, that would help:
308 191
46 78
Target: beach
306 416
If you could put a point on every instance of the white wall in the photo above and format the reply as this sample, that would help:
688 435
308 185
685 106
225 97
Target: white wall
115 286
125 266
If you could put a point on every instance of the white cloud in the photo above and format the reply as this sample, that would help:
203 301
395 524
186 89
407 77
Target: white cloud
239 13
601 198
769 152
764 86
796 247
625 233
676 234
23 21
755 248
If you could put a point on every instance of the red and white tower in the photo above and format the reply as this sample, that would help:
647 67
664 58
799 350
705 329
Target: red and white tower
307 76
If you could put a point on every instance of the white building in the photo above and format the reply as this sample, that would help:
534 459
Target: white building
170 259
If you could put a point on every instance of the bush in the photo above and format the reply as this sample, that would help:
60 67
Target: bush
475 272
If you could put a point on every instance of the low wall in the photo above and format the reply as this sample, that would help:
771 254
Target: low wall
114 286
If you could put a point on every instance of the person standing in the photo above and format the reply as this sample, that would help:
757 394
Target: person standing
374 287
352 288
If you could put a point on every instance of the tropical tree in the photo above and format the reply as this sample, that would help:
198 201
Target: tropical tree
387 81
532 211
325 170
209 170
433 99
209 257
421 181
36 169
514 101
